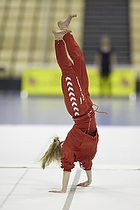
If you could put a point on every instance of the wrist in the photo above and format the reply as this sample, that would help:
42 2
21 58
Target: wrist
63 191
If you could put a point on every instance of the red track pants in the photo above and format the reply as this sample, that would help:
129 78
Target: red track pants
81 142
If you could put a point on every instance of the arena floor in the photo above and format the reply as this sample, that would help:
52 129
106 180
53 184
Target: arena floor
26 128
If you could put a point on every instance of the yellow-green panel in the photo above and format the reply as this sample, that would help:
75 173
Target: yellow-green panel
48 82
42 82
94 82
123 82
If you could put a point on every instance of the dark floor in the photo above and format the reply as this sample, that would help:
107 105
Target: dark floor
51 110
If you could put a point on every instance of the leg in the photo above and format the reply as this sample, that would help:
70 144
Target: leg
79 64
61 55
77 57
75 96
75 52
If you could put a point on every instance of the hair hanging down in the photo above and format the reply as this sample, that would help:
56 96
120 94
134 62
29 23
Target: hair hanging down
52 154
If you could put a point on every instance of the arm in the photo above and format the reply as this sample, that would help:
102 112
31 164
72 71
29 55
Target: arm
66 175
89 179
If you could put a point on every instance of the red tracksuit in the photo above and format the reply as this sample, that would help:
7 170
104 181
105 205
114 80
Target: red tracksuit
81 141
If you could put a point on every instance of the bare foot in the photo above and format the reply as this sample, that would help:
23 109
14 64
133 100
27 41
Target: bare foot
63 24
84 184
60 33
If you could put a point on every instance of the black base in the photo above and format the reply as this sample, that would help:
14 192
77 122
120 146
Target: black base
10 84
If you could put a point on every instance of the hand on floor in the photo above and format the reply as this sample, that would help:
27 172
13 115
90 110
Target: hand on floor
56 191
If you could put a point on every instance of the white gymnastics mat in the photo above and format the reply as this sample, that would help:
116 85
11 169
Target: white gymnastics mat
24 185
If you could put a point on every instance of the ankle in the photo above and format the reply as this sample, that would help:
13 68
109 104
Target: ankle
58 37
58 34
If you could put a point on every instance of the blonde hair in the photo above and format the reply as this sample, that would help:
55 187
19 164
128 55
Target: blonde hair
52 154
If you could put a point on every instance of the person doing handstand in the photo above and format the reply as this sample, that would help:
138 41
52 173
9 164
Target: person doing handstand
81 141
